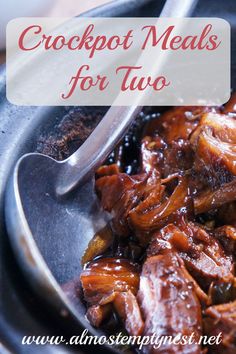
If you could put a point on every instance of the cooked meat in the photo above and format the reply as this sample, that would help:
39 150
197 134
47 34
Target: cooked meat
222 127
97 314
126 306
176 123
166 158
108 170
215 159
221 320
208 199
121 193
170 189
101 279
168 303
114 281
154 216
202 253
227 237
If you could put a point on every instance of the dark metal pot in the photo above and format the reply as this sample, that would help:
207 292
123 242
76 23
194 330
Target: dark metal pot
22 312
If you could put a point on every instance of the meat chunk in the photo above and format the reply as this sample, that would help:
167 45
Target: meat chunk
221 319
97 314
222 127
127 307
101 279
166 144
215 153
107 170
153 217
112 283
214 143
212 199
215 159
169 158
176 123
227 237
121 193
168 303
202 253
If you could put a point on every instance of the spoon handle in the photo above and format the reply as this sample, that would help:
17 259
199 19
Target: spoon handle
77 168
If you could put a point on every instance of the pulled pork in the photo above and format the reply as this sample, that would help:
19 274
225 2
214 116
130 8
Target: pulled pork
168 269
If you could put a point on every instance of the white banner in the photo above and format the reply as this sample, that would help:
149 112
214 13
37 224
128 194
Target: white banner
119 61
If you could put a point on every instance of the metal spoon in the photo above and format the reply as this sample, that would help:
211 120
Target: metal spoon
48 233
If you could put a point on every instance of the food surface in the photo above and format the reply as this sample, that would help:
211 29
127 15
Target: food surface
165 264
168 267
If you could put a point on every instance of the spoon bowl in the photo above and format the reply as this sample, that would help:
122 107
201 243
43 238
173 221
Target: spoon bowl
57 227
44 229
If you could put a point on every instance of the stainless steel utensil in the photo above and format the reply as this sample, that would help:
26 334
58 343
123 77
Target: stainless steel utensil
42 224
